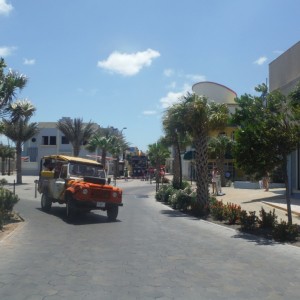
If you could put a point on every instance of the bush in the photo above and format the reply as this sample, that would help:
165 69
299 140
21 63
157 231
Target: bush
285 232
248 221
7 202
7 199
217 209
3 181
164 193
181 200
267 220
231 213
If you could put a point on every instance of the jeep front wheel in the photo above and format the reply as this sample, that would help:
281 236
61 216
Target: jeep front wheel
69 209
112 213
46 203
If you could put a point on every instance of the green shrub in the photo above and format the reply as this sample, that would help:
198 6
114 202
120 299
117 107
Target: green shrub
248 221
231 213
283 232
267 220
217 210
3 181
185 184
7 199
181 200
164 193
7 202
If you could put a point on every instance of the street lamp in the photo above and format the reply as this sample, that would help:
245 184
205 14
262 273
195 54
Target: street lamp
123 129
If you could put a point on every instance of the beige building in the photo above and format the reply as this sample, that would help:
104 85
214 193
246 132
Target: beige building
284 74
217 93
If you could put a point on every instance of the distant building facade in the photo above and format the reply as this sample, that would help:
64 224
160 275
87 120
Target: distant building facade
284 75
48 141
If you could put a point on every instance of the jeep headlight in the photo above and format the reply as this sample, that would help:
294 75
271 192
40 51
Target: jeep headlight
115 194
85 191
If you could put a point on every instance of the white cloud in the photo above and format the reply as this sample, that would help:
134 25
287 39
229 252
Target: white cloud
260 61
29 61
6 51
196 78
128 64
279 52
149 112
168 72
173 97
5 8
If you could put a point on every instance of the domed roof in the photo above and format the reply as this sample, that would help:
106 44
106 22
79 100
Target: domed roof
215 92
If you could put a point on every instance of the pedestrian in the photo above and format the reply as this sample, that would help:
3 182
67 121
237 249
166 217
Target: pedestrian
214 174
126 174
266 182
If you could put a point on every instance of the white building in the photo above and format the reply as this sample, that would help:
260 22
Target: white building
48 141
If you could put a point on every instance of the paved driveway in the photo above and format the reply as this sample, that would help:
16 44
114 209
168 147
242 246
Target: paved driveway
151 252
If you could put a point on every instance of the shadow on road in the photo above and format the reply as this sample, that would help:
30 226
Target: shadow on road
78 218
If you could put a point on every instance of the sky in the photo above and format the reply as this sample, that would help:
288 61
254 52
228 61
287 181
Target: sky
123 63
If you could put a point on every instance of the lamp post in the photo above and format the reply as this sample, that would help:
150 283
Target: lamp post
123 129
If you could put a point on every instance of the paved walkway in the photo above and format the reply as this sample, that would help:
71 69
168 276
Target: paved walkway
255 199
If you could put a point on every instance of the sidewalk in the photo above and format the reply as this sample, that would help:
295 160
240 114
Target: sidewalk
255 199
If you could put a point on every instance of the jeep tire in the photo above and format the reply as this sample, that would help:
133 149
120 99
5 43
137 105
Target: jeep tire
69 209
112 213
46 202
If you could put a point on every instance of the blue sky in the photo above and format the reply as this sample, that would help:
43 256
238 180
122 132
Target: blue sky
122 63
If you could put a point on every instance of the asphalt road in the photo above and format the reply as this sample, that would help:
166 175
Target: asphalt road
151 252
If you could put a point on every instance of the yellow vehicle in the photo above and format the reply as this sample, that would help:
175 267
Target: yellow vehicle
78 183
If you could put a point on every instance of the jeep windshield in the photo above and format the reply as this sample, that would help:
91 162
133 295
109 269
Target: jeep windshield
82 170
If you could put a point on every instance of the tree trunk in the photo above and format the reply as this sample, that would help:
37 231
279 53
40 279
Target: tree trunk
176 169
76 150
19 162
157 176
3 165
180 164
287 191
201 161
103 158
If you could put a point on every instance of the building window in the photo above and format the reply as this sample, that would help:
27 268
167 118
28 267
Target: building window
52 140
45 140
49 140
64 140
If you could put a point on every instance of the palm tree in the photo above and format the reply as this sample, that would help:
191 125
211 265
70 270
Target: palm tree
10 83
177 136
6 152
201 117
157 154
76 132
117 145
101 140
20 130
218 147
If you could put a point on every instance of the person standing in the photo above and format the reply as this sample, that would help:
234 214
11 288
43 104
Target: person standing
214 174
266 182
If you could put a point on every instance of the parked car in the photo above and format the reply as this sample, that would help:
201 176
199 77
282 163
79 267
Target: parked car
79 183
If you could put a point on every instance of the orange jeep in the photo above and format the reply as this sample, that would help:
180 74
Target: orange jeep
79 183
